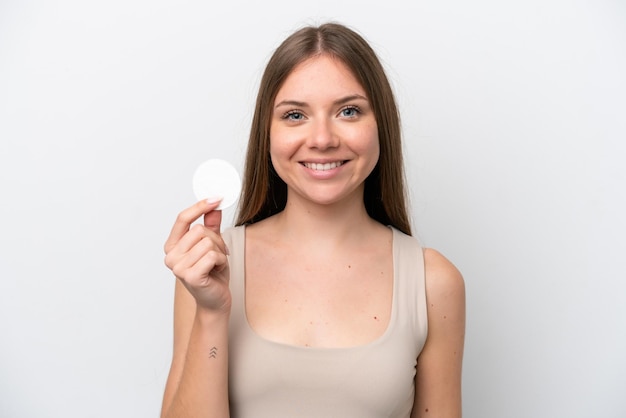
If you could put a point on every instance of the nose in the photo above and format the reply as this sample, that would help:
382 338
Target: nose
323 136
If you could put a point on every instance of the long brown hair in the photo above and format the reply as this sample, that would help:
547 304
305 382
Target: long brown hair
263 193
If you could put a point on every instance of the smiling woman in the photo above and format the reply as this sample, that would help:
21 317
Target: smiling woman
324 139
319 302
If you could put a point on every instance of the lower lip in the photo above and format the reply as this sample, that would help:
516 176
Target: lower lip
324 174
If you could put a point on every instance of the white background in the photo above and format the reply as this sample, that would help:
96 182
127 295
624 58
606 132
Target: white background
515 126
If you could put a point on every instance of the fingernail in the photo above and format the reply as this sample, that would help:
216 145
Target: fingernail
211 200
227 250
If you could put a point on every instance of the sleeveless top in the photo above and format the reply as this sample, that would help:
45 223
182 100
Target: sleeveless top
276 380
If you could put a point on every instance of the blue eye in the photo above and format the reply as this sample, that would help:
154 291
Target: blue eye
350 111
293 115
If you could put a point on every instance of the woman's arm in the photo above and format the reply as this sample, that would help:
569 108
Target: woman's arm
438 377
197 385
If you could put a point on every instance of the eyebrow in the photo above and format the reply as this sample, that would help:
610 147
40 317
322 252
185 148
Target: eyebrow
337 102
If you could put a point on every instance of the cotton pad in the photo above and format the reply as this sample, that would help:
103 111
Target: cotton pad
217 178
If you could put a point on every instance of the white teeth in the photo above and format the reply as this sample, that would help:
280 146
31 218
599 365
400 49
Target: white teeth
323 167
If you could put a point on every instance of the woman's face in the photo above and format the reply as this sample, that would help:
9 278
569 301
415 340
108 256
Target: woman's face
323 134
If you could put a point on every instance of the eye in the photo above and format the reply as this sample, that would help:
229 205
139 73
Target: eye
350 111
294 115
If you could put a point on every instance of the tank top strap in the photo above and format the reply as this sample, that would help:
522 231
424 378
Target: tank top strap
410 296
235 240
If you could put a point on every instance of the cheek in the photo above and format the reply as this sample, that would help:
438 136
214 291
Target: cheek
277 148
283 142
375 151
275 141
371 146
375 143
281 150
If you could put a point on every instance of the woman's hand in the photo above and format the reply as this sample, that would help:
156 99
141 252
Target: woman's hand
198 256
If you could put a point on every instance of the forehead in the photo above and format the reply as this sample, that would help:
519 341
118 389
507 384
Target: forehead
317 77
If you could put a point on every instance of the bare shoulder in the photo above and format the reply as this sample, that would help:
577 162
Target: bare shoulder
439 365
445 294
442 277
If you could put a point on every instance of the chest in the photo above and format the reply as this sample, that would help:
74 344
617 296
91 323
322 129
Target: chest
275 380
331 299
270 379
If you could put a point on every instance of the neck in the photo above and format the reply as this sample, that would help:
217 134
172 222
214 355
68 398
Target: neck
328 225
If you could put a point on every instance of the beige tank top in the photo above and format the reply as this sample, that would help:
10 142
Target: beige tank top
275 380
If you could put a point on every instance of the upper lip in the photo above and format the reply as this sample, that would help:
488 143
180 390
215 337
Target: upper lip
323 161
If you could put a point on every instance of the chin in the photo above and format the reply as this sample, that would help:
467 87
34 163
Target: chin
327 198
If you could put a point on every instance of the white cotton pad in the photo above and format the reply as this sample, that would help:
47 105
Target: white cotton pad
217 178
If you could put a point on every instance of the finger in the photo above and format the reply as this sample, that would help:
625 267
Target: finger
192 237
188 249
213 261
200 269
213 221
199 250
187 217
199 238
198 241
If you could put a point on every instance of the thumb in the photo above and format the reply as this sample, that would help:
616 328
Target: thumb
213 221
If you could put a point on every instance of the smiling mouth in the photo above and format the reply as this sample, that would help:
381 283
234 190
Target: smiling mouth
324 166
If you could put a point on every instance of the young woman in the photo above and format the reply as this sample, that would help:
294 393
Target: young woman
319 303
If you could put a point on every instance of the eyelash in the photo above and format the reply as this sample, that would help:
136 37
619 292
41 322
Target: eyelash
287 115
351 107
